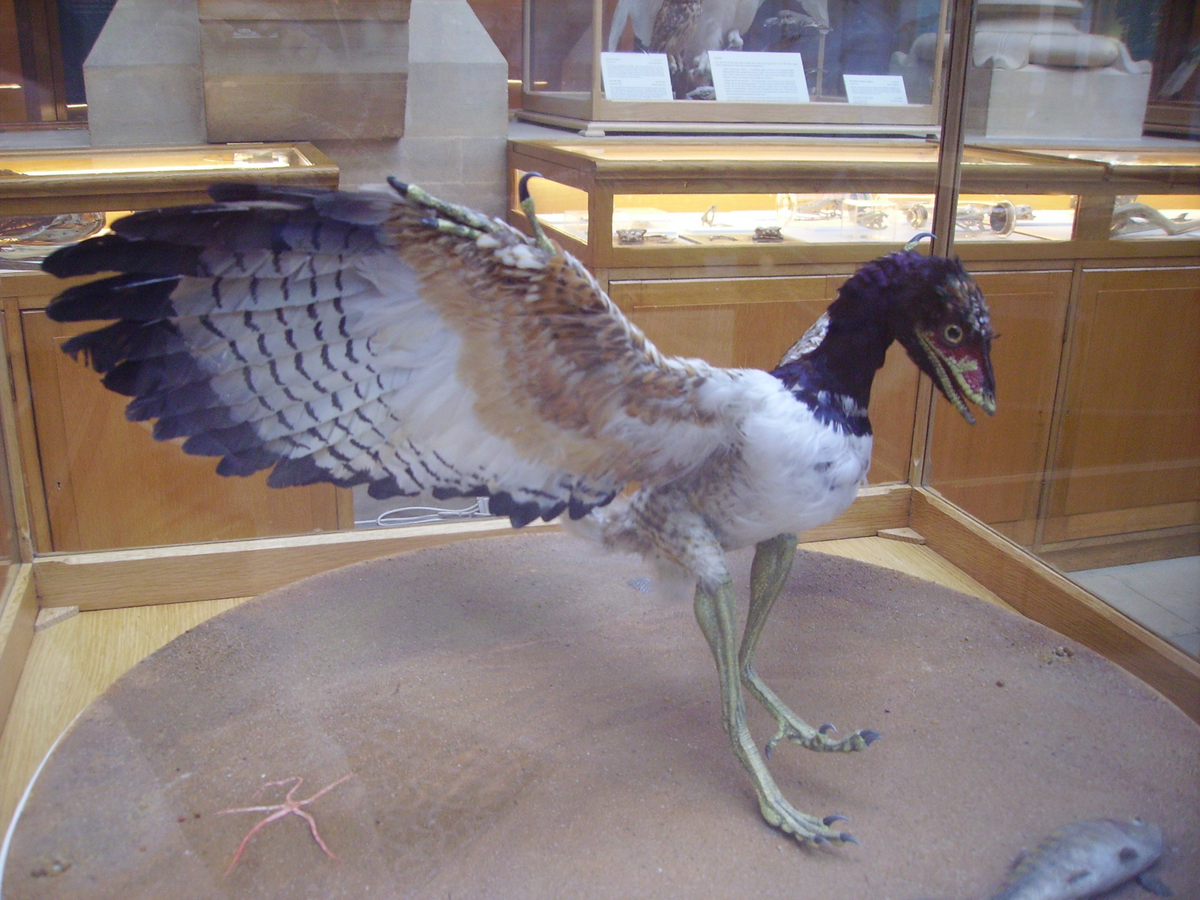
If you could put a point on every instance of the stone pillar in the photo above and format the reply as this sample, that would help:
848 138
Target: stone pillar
143 77
456 117
145 83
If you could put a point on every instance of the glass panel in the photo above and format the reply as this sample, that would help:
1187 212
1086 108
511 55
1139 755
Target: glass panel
560 46
835 61
1140 216
699 219
214 162
560 207
1093 458
9 555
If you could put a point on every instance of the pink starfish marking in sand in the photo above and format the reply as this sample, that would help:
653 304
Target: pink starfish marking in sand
289 806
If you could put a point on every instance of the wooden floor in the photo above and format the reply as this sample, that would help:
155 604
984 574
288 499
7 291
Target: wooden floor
74 661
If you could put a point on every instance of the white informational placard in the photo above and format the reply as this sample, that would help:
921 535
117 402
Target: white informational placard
746 77
876 90
636 76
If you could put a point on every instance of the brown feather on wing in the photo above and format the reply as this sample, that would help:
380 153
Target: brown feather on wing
555 367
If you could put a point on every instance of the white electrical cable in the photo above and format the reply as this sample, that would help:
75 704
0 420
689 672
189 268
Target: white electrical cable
426 515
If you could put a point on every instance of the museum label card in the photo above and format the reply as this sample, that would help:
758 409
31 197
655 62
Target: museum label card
747 77
636 76
875 90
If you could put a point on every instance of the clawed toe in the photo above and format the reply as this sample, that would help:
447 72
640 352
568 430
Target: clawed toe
823 840
820 739
804 828
817 834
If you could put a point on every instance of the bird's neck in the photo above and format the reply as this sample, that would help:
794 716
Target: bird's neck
834 377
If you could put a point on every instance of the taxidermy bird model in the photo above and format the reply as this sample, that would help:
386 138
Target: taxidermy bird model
673 34
390 339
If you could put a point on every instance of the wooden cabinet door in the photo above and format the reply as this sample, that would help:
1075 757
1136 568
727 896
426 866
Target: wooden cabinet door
994 469
108 484
1129 455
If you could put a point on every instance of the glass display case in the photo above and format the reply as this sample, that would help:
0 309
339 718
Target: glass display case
1091 462
672 202
727 248
635 203
649 65
1157 190
53 197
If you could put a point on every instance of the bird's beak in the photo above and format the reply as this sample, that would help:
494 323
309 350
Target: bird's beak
963 373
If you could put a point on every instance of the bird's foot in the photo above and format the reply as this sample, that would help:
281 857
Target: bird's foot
796 730
820 739
452 218
803 827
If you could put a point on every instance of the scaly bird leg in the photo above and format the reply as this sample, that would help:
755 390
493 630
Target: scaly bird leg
716 615
772 563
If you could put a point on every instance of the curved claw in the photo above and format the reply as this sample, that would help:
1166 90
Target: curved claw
523 185
779 735
827 728
821 840
836 817
869 736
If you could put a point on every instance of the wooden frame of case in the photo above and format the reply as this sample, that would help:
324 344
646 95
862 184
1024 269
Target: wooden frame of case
1095 178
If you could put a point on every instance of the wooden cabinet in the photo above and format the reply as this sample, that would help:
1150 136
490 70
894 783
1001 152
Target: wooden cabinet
108 484
1128 456
1091 459
995 468
729 249
92 481
97 482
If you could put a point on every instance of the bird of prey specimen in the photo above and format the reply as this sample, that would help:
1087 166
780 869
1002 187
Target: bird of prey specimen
673 34
684 31
721 22
384 337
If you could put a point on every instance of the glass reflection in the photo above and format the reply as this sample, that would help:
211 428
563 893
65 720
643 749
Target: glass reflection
1093 458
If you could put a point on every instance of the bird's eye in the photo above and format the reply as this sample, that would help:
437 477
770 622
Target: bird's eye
952 335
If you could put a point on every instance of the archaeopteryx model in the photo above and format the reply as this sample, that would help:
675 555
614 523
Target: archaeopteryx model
383 337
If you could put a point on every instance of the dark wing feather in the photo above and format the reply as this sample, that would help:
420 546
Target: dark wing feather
354 338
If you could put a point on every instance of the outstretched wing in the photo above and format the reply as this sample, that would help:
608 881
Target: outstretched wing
386 338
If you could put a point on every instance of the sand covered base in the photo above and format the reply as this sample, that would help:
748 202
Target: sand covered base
518 720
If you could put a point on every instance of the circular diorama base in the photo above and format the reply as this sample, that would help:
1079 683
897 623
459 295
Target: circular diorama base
517 717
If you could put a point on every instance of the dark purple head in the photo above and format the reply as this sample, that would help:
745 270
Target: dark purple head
938 314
